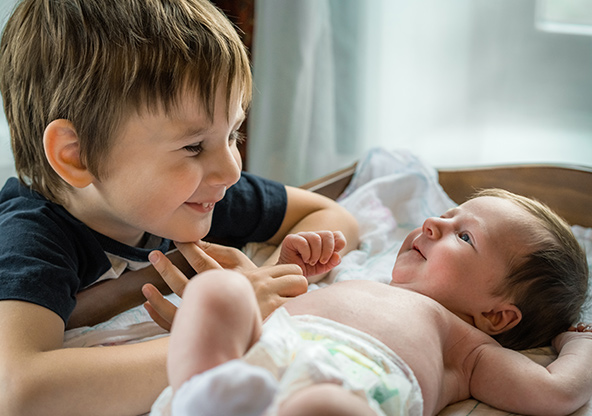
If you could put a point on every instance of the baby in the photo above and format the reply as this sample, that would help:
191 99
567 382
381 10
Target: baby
409 348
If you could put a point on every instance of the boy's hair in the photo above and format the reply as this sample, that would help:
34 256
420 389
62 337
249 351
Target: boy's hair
96 62
549 284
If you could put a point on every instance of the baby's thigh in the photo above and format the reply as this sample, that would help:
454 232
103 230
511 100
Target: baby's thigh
326 400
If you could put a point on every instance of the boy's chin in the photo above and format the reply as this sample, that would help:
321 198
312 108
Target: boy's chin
190 236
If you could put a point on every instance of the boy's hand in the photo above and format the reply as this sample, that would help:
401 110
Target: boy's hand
273 285
316 252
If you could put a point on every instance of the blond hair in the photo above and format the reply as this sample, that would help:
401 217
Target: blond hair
549 283
94 62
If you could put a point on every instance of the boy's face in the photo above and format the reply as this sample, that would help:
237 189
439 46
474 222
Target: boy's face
461 258
166 172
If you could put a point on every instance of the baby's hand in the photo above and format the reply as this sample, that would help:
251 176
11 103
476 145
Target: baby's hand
580 331
316 252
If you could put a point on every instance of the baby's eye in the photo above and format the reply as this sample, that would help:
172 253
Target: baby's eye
194 148
465 237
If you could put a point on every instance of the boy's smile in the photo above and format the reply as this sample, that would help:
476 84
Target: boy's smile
165 173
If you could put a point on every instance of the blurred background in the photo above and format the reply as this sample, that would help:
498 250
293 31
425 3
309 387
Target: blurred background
458 82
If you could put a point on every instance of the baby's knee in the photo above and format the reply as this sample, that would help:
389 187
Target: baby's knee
326 400
218 289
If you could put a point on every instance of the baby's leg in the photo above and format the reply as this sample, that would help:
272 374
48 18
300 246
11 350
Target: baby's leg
219 320
325 400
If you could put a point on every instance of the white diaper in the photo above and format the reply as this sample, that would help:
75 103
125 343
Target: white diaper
304 350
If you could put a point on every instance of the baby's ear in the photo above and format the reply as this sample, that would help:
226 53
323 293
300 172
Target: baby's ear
62 150
498 320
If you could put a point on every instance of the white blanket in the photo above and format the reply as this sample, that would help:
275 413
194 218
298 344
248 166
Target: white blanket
390 194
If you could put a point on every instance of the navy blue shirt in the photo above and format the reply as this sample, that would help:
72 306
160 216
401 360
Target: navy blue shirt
47 256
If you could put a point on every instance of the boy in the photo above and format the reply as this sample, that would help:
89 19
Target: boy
124 118
413 347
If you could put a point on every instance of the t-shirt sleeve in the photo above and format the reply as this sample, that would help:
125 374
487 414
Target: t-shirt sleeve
252 211
40 262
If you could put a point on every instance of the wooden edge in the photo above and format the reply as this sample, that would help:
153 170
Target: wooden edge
567 189
332 185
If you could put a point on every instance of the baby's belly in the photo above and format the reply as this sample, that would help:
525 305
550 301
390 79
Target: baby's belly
407 323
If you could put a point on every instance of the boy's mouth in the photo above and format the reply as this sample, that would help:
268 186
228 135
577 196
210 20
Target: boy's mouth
204 207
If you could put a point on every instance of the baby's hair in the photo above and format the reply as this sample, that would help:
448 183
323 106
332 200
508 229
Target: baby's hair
97 62
549 284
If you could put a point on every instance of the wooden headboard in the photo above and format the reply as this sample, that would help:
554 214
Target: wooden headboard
566 189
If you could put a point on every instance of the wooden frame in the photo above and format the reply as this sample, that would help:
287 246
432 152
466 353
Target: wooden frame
566 189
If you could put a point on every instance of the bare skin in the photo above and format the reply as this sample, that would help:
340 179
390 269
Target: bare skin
444 366
451 359
423 316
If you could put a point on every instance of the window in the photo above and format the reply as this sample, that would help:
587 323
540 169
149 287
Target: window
565 16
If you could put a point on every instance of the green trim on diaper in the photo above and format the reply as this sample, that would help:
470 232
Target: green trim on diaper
363 369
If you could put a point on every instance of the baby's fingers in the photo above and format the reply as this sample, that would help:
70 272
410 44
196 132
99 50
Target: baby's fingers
582 327
340 241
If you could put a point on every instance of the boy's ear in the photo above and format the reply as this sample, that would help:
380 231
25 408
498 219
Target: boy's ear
62 150
501 319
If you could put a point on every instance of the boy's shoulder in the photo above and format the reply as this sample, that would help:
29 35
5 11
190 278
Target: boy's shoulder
46 254
24 211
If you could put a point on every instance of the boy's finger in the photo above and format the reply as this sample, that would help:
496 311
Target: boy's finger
164 324
227 257
291 285
197 257
160 310
173 277
280 270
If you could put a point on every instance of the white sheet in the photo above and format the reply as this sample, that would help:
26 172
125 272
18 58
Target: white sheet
390 194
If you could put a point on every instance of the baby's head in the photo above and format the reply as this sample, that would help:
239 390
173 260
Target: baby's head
549 283
97 62
502 262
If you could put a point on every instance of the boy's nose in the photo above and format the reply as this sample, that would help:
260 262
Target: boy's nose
432 227
228 168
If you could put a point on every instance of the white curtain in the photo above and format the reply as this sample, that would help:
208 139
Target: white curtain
311 68
458 82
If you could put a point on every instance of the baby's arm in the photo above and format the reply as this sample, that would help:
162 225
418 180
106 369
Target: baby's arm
510 381
314 252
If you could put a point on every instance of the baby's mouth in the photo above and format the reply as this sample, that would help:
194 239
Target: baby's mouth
418 250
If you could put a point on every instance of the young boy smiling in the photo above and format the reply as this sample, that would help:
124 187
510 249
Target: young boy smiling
124 118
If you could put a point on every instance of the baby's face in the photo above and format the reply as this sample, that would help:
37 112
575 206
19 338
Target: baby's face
166 171
461 258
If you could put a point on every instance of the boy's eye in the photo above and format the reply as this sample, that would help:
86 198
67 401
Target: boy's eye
194 148
236 136
465 237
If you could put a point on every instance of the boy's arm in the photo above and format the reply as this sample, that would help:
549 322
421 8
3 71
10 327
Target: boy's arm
39 376
308 211
104 300
511 381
